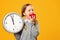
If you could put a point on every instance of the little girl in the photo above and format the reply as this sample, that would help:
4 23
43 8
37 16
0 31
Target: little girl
30 29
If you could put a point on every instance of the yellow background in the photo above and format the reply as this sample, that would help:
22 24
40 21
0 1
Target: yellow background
48 16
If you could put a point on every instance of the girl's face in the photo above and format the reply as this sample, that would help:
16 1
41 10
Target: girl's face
29 10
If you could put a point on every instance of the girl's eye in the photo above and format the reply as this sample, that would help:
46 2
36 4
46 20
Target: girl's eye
32 10
28 10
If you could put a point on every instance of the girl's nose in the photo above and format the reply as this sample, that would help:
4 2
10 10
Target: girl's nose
31 11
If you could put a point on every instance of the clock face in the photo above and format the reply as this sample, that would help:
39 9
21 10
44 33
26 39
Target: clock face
13 22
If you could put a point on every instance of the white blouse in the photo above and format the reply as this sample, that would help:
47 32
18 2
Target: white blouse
30 33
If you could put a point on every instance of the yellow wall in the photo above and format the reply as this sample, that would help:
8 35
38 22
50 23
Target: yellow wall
48 16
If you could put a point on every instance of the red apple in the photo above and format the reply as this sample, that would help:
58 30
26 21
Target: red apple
32 15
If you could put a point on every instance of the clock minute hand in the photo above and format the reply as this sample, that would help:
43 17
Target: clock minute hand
12 20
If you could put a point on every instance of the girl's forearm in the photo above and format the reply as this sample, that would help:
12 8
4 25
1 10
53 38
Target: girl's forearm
35 30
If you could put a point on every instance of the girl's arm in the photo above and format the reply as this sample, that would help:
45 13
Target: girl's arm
35 29
18 35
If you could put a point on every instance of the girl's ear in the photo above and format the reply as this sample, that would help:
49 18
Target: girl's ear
24 14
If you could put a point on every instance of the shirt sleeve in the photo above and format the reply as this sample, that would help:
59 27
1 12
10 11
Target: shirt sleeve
35 29
18 35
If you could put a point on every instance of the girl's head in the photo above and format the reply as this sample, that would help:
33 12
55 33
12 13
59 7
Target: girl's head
27 9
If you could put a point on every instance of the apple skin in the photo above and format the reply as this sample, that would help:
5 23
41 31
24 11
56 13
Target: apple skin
32 15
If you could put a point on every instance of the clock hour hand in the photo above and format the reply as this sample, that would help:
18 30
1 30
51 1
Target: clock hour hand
12 20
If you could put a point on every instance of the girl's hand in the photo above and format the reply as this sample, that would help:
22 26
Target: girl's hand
32 18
